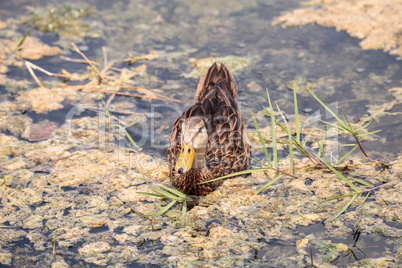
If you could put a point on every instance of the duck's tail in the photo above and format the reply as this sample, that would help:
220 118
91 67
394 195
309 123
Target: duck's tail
216 73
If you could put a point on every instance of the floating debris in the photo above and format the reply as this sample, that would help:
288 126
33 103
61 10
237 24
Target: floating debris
42 131
43 100
33 49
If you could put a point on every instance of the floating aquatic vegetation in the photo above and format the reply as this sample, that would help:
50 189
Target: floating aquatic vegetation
66 21
397 93
43 100
301 86
233 63
376 22
329 250
31 49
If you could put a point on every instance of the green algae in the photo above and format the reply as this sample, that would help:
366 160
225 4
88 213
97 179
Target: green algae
66 21
329 250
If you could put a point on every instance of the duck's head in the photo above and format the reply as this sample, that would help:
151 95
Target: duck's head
194 139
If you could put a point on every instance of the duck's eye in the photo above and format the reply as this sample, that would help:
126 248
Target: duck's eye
183 150
189 150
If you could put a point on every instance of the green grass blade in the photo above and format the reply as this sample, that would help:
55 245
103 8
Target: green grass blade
321 146
335 125
347 121
337 197
298 145
346 155
237 174
163 210
365 199
174 191
297 120
346 206
132 124
329 110
23 40
164 193
366 125
273 132
160 212
362 182
292 168
277 142
339 175
261 139
262 164
308 135
368 133
127 135
265 186
290 141
139 214
166 213
183 211
276 121
107 111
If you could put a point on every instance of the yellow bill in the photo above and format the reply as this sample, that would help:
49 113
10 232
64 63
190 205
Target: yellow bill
186 158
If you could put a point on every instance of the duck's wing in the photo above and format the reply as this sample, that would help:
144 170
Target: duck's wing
228 148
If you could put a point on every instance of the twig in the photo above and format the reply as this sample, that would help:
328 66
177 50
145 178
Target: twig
90 63
64 157
286 173
76 60
36 67
29 67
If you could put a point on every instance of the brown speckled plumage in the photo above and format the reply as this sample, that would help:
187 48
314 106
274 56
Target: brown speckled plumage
228 145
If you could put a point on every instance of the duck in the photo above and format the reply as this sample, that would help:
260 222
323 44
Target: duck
209 140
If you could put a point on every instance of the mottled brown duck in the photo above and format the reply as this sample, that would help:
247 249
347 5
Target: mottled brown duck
209 140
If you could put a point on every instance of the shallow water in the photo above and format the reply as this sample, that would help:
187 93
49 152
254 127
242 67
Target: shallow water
339 70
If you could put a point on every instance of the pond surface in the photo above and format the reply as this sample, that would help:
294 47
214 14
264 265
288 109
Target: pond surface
85 211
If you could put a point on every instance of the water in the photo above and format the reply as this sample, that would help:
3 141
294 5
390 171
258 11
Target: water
333 61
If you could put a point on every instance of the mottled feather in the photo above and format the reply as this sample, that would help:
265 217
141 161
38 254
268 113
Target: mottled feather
228 149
